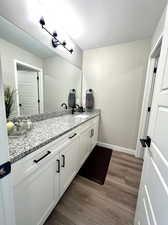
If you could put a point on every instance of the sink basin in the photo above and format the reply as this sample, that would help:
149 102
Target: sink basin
82 116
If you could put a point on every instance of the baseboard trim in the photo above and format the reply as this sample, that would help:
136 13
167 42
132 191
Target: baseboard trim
117 148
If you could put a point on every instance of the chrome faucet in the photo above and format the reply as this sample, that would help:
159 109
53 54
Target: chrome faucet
76 107
64 105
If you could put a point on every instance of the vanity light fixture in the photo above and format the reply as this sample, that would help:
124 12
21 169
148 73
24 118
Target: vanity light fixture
55 42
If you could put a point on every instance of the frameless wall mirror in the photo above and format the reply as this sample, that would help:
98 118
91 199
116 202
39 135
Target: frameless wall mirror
36 78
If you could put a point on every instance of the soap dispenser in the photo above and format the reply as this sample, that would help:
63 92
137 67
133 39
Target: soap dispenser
89 99
72 98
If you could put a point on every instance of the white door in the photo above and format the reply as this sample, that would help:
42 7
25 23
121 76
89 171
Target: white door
152 207
28 91
6 192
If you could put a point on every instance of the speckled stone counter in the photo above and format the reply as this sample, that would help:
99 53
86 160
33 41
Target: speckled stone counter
44 132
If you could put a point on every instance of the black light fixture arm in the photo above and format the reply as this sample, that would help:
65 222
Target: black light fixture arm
55 41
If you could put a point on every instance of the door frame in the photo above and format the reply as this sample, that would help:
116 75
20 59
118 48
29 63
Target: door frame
148 85
41 87
7 215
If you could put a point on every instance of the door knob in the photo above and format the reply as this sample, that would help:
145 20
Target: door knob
146 142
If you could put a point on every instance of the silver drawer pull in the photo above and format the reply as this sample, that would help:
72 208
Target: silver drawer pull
92 133
38 160
73 136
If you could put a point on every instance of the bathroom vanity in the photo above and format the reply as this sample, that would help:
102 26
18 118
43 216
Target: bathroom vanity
47 158
45 166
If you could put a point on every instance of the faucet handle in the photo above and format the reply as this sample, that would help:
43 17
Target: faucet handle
64 104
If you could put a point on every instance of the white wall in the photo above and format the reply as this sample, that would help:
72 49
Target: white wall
59 77
117 74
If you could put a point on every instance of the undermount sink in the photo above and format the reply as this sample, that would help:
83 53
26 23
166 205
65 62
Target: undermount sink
82 116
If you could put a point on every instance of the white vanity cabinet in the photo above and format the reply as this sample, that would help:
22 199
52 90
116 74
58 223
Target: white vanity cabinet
41 178
88 139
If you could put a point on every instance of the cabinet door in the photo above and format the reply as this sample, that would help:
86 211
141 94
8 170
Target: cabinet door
94 134
85 145
36 196
69 161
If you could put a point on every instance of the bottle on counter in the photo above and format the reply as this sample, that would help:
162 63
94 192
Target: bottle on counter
89 99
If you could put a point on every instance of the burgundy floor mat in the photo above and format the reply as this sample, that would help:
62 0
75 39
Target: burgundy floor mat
96 166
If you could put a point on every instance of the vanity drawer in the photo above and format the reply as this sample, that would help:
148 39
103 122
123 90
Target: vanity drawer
95 120
89 124
63 140
30 164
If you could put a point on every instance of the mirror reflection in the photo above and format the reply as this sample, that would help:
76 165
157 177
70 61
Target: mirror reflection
60 77
29 89
34 84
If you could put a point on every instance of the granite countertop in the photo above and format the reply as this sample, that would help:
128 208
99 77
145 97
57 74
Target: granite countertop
44 132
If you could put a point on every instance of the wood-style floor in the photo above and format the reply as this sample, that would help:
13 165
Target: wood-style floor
88 203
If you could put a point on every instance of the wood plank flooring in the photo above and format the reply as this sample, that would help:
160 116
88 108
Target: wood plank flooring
88 203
